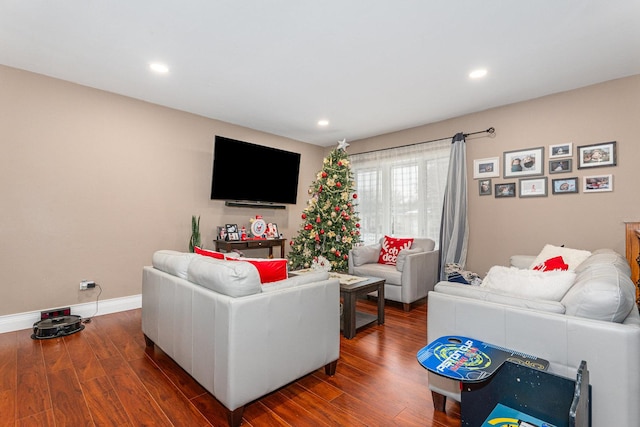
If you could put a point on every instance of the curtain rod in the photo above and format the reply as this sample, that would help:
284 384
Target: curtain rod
490 131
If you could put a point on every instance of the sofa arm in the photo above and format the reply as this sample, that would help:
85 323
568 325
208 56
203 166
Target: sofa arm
419 274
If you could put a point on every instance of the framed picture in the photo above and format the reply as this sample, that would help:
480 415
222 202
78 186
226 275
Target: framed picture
507 189
564 185
272 231
222 233
527 162
484 186
486 168
533 187
560 166
232 232
597 183
597 155
561 150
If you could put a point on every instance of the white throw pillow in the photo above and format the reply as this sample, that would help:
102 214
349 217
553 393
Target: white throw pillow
572 257
402 256
546 285
365 254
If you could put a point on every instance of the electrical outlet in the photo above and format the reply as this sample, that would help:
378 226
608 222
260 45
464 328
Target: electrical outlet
87 284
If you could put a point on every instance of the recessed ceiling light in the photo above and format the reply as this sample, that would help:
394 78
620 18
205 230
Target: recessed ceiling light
159 68
323 122
476 74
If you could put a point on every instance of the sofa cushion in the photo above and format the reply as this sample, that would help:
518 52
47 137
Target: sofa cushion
231 278
365 254
402 256
390 248
546 285
207 252
294 281
270 270
387 272
573 257
172 262
493 295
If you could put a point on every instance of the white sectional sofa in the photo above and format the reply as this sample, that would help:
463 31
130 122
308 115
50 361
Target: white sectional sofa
238 338
596 320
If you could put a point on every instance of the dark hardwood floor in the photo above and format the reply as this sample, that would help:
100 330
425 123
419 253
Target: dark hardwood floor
106 376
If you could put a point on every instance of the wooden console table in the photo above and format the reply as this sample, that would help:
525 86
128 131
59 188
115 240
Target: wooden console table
632 235
229 245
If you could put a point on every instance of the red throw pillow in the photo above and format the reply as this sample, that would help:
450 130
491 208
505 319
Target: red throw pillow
555 263
391 247
205 252
270 270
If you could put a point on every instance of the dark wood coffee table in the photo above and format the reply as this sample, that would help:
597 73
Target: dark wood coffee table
352 319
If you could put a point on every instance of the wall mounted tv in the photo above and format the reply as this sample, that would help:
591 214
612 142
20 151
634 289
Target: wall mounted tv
246 173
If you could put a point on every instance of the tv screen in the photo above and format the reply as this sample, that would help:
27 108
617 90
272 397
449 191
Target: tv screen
255 173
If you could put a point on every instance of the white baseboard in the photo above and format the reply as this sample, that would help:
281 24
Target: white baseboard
19 321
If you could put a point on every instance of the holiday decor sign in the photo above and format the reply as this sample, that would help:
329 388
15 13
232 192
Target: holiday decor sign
330 223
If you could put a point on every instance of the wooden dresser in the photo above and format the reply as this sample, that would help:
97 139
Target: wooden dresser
632 234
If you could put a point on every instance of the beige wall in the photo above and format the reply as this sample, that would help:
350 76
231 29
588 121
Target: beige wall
93 183
501 227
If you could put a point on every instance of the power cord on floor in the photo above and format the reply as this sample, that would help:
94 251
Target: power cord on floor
88 319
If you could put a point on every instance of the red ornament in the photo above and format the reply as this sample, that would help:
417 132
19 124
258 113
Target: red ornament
324 174
318 220
304 216
320 189
290 242
357 225
321 231
339 162
345 257
317 238
355 196
337 208
338 254
338 184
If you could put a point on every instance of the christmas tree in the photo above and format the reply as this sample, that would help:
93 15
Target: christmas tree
330 225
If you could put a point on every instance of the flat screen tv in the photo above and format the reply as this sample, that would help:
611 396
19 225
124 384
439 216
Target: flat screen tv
248 172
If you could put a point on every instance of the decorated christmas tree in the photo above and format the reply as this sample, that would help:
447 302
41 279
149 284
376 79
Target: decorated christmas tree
330 223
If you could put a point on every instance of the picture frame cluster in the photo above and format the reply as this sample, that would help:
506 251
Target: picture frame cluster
528 167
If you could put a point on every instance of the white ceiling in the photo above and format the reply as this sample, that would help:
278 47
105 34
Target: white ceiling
368 66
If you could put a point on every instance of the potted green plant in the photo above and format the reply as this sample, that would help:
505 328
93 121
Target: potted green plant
195 233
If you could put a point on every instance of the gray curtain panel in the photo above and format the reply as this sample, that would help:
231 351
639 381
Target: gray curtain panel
454 227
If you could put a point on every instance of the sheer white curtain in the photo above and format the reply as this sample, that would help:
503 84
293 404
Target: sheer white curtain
401 190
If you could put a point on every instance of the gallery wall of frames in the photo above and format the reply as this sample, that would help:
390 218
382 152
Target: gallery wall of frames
531 172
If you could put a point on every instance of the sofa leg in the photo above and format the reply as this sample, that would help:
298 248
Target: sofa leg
406 306
330 368
439 401
235 417
148 341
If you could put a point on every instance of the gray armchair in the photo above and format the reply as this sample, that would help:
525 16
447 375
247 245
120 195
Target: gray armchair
413 276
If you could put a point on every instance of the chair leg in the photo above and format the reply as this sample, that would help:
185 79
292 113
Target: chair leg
406 306
235 417
330 368
439 401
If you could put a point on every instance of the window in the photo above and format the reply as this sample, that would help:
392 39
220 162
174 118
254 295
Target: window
401 190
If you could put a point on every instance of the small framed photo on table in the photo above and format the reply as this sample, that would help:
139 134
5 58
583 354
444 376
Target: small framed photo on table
272 230
232 232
